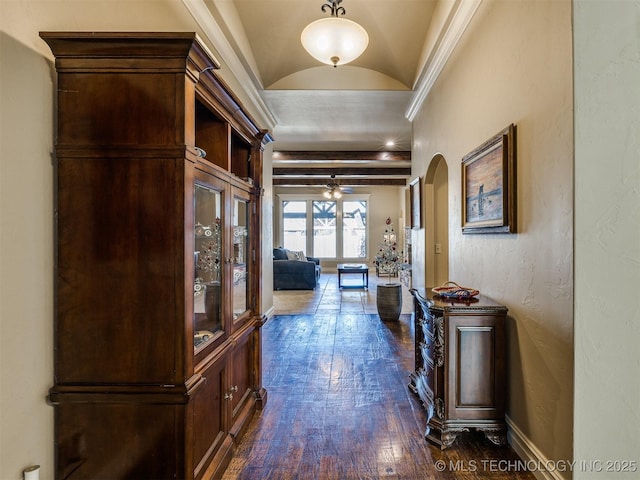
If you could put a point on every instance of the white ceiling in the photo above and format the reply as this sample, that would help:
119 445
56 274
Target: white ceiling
339 120
311 106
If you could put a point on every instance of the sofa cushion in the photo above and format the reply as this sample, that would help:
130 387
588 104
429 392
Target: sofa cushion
279 254
294 275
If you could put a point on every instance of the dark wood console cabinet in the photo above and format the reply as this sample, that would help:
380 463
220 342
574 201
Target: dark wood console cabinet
157 352
460 369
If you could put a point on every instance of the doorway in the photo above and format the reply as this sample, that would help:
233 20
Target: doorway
436 201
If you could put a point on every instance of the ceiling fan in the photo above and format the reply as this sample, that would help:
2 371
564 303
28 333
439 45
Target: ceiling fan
333 190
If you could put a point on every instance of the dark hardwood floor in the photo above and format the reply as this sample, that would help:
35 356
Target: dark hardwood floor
339 408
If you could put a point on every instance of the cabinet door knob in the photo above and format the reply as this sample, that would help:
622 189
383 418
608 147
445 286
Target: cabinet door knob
234 388
228 396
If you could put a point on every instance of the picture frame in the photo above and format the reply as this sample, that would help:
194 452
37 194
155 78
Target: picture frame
416 204
489 185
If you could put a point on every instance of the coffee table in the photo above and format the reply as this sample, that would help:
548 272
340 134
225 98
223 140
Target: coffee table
353 268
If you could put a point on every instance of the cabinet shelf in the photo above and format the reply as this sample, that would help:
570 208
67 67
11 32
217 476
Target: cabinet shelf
221 144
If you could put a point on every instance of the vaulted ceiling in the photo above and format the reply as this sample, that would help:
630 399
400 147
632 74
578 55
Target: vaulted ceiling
353 121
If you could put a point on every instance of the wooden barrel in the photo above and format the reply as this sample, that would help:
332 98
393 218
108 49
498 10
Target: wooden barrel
389 301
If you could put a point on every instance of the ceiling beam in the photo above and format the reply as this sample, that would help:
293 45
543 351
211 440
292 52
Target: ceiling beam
345 182
342 171
324 156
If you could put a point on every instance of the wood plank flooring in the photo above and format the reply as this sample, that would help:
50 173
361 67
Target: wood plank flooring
339 408
327 298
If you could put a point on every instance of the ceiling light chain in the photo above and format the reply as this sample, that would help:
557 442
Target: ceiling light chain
335 9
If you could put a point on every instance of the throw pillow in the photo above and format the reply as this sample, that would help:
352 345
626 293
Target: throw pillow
300 256
291 255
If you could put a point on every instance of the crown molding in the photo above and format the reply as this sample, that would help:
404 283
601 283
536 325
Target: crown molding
213 33
457 23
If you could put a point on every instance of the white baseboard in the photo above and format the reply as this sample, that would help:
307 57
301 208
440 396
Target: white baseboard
528 452
270 313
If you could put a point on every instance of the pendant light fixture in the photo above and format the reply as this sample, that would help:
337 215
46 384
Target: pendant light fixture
334 40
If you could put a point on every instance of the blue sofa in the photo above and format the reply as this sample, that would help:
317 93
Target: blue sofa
294 274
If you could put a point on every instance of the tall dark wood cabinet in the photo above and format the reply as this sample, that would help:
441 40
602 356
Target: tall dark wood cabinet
157 328
460 366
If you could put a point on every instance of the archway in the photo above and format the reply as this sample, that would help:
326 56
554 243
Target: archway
436 212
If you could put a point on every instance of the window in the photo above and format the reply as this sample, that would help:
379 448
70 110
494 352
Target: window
294 224
331 229
354 229
324 229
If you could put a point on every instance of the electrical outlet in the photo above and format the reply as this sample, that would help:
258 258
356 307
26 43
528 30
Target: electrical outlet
438 248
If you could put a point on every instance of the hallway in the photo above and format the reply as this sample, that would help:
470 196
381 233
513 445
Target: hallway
339 408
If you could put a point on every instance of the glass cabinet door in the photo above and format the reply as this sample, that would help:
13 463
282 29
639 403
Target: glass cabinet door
240 256
207 287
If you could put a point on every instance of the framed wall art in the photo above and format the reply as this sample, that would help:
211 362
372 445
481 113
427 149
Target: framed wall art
489 185
416 205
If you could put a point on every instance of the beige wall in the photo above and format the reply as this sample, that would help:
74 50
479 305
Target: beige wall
267 231
26 259
607 245
514 65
